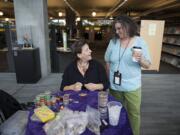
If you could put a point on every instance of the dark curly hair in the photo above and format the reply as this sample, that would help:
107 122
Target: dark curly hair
77 47
127 23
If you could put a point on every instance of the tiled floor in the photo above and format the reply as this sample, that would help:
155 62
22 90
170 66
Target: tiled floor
27 92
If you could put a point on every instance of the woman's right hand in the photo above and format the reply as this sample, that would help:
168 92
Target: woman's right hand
137 55
77 86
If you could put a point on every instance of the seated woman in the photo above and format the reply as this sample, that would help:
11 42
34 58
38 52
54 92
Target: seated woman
84 72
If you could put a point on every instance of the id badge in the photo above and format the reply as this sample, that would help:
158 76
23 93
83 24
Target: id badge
117 78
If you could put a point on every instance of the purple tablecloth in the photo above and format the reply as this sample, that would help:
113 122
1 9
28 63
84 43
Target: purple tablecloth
123 128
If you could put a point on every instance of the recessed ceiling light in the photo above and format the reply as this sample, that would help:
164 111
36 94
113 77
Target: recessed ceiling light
78 19
111 18
93 14
6 19
60 14
1 13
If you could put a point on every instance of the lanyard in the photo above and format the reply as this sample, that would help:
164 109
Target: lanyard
120 57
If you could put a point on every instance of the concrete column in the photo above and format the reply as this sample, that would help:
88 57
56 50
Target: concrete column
79 30
32 19
10 59
70 22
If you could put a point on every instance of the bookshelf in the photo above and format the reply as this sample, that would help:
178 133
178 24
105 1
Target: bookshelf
171 45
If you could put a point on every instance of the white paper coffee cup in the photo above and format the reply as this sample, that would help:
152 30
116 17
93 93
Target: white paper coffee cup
136 49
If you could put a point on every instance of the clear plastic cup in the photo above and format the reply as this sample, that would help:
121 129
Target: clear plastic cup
114 110
102 98
102 103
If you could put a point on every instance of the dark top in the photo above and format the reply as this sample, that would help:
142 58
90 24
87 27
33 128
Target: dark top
94 74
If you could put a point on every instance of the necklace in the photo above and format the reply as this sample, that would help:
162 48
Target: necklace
121 56
126 46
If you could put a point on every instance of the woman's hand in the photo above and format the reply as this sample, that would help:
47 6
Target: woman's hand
137 55
77 86
141 59
144 63
93 86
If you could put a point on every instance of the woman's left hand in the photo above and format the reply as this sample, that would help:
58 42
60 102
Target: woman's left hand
91 86
144 63
137 56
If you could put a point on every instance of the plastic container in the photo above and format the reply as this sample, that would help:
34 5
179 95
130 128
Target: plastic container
114 110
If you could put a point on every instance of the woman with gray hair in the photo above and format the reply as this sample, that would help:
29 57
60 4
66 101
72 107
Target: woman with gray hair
126 54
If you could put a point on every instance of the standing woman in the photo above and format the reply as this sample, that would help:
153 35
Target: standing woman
124 65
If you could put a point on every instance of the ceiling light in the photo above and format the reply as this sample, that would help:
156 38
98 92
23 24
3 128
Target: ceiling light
78 19
50 18
111 18
60 14
6 19
93 14
1 13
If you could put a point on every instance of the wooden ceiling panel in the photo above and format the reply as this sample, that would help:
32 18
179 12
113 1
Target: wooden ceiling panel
94 3
56 3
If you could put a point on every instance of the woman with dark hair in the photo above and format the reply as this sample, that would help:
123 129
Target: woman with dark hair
126 54
84 72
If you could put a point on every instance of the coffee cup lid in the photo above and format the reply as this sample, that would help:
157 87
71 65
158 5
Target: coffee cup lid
137 47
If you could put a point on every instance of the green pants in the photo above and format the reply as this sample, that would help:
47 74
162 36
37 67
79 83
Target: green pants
132 102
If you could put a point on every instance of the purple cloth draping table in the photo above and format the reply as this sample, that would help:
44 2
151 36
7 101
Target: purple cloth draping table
123 128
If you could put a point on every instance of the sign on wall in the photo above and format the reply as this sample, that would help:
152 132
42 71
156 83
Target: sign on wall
152 32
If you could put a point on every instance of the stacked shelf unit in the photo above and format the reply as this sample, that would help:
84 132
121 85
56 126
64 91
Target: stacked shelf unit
171 45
